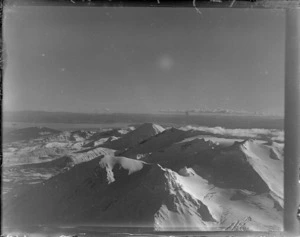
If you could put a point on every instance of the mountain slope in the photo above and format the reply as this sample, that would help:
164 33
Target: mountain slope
87 194
243 165
121 191
141 133
155 143
184 180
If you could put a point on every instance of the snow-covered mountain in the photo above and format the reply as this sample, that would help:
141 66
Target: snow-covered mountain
167 179
158 142
140 134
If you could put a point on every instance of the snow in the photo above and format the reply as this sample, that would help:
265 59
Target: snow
186 172
128 164
132 138
192 178
155 143
222 206
250 133
100 141
270 169
56 144
86 155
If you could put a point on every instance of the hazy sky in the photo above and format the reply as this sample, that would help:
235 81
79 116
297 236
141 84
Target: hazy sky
83 59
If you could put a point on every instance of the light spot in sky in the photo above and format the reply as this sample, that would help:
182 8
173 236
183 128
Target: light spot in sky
165 62
43 55
63 69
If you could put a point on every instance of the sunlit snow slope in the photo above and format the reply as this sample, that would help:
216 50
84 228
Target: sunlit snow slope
169 179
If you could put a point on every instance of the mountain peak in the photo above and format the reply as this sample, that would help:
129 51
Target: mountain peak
132 138
146 126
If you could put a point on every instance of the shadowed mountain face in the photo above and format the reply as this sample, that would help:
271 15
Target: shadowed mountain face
87 193
159 178
135 137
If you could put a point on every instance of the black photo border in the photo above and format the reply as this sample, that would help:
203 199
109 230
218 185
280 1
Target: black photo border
292 90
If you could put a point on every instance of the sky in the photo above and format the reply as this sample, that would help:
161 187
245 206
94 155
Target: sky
142 60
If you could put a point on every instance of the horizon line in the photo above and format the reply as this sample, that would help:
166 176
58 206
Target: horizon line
183 112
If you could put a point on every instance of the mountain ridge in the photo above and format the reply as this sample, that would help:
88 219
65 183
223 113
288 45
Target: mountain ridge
182 179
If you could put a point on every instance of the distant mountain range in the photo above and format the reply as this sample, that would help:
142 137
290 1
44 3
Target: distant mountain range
220 111
205 118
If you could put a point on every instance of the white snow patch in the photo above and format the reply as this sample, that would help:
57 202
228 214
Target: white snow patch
251 133
109 163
